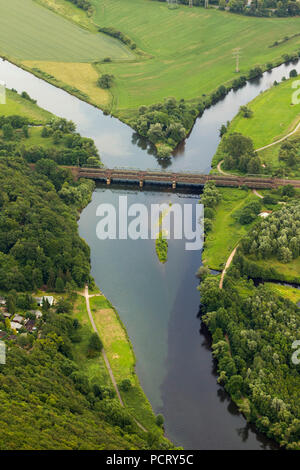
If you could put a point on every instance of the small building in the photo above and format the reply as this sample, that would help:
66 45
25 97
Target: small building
36 313
50 299
265 214
2 301
15 326
40 300
6 315
30 325
18 319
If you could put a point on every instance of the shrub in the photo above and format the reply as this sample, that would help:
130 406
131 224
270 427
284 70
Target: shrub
106 81
95 345
293 73
125 385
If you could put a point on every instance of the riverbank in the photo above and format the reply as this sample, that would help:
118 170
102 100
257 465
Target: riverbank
148 82
122 359
155 321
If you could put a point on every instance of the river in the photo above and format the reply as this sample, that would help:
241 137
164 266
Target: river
159 303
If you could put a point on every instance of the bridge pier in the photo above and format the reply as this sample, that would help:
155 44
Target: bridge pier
141 183
108 181
174 184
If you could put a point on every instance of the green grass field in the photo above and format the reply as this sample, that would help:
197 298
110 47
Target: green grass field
122 360
70 11
288 292
191 48
93 368
226 231
16 105
29 31
283 272
274 115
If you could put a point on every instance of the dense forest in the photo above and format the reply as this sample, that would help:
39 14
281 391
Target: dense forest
39 243
276 236
253 331
47 402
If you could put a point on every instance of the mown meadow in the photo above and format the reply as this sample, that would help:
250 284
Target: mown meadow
29 31
183 53
274 115
191 49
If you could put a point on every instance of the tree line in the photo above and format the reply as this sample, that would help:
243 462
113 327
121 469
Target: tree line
253 331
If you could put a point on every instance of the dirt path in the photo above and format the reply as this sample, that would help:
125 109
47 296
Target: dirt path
257 194
111 374
220 169
280 140
112 377
261 148
231 256
228 263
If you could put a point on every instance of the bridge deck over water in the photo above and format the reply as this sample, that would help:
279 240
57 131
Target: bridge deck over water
121 176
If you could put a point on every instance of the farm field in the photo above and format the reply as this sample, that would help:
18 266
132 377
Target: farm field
188 51
191 48
29 31
82 76
69 11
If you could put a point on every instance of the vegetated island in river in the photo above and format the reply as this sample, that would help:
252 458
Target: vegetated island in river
131 79
256 235
161 243
55 363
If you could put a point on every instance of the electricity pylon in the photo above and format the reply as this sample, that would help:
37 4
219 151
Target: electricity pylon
237 54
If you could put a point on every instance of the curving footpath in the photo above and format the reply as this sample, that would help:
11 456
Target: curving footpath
228 263
261 148
231 256
280 140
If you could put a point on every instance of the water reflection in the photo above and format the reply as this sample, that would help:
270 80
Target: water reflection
118 145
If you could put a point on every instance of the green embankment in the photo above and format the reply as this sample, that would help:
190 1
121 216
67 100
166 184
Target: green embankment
226 230
122 359
274 115
93 368
16 105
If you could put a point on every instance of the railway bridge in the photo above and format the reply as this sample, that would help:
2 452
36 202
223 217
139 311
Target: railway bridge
141 178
